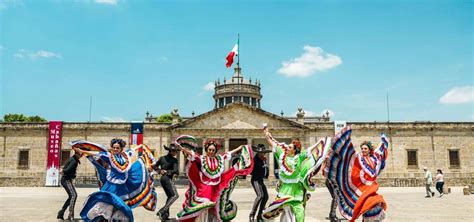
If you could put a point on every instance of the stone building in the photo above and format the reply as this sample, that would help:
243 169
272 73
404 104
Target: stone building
236 120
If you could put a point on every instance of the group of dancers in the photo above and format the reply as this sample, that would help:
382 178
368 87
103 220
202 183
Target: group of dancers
125 178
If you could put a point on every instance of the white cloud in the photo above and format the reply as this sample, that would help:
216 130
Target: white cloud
113 119
106 2
23 53
306 113
458 95
313 60
162 59
331 113
209 86
5 4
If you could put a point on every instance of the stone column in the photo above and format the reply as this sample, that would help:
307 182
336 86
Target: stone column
271 161
226 149
181 163
249 141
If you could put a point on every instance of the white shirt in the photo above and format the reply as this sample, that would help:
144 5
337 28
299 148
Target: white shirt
439 177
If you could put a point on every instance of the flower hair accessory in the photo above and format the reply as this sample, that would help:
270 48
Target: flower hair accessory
212 142
296 143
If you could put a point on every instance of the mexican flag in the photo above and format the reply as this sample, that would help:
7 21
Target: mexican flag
234 52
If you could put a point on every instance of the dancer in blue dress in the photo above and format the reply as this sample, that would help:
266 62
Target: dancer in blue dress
124 178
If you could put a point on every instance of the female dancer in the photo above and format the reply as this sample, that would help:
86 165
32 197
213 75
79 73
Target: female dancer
124 180
297 167
354 177
207 198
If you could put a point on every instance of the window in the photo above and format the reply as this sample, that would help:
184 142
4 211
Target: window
454 159
64 156
412 158
254 102
228 100
221 102
247 100
24 159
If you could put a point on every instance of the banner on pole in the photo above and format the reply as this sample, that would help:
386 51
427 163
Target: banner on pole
338 125
136 136
54 153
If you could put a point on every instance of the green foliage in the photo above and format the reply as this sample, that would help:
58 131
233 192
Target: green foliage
164 118
22 118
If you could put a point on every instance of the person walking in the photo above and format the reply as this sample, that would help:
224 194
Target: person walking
439 181
68 173
428 181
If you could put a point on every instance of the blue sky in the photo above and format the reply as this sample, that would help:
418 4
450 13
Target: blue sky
138 56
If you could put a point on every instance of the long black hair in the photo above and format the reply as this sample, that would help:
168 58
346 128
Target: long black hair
121 142
439 171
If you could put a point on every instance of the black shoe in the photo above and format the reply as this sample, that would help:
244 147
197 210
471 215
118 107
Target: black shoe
427 196
60 215
432 193
251 218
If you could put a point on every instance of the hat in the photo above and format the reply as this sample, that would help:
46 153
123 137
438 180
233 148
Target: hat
172 147
260 148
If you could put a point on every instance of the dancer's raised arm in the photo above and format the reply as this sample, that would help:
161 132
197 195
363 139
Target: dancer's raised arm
271 141
236 149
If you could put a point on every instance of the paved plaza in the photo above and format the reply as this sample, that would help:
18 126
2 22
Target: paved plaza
404 204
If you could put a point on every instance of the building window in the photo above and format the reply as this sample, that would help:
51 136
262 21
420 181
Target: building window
247 100
228 100
24 159
64 156
412 158
221 102
454 159
254 102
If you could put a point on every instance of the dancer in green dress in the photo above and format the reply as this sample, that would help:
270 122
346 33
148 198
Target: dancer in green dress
297 167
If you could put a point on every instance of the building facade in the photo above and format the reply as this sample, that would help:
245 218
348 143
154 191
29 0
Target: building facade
237 119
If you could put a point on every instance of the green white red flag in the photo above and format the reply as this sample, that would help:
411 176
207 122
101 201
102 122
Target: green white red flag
230 56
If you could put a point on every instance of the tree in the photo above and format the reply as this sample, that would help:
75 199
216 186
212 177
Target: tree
37 119
22 118
164 118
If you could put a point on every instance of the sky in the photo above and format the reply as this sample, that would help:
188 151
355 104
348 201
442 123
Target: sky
131 57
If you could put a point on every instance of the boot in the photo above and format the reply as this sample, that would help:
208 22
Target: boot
60 215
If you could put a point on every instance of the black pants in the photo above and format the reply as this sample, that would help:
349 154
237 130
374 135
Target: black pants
72 196
332 212
171 193
261 199
439 187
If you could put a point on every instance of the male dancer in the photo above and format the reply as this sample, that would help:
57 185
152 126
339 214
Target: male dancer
167 167
68 173
260 171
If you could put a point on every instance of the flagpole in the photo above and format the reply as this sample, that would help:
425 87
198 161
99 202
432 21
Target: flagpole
238 54
238 67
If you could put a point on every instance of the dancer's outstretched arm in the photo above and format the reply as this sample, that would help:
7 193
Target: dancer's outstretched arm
91 153
236 149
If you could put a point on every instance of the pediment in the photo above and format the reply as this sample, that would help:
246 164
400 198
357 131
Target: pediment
237 116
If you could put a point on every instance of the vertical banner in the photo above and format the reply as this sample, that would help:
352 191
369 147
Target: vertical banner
136 137
54 153
338 125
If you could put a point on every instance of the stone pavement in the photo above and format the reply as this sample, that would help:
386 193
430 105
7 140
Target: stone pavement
404 204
